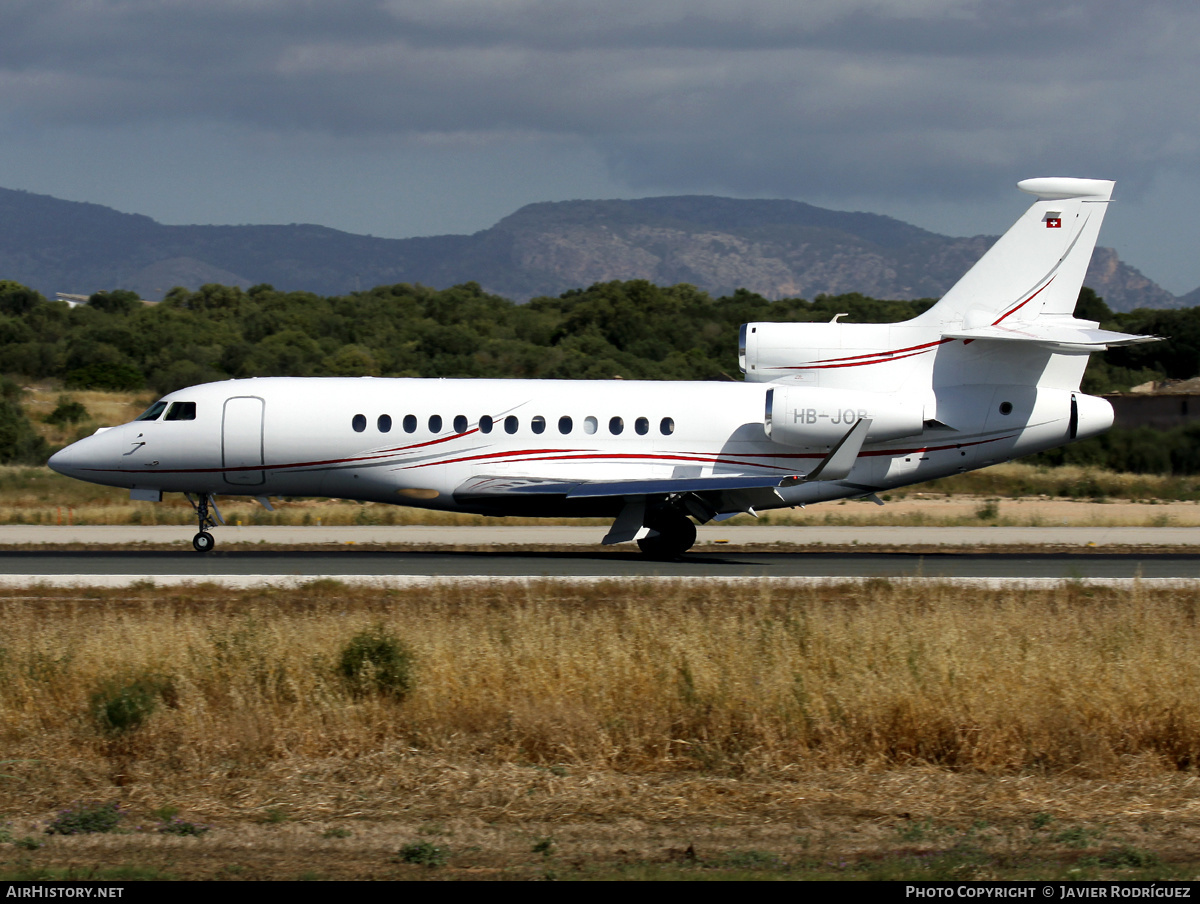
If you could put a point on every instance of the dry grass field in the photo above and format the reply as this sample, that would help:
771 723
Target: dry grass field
878 730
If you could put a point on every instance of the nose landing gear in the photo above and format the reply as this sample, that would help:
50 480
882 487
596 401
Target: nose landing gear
203 541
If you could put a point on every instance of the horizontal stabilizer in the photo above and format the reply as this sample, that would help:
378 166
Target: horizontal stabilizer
1078 335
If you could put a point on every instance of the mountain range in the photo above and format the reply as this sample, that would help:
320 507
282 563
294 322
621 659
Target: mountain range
775 248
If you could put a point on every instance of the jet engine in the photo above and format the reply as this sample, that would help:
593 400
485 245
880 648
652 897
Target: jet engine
812 416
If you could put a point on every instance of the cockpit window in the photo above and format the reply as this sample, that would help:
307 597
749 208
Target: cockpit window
181 411
152 413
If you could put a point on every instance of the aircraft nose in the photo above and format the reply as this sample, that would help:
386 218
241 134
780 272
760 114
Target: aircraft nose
65 461
81 455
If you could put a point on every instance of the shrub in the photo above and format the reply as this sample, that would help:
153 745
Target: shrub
121 706
376 661
85 818
117 377
68 411
424 854
989 511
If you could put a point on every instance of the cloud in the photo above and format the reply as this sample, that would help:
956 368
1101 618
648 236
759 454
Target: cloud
762 96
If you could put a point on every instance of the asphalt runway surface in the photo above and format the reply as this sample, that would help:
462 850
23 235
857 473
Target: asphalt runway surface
245 556
590 536
242 566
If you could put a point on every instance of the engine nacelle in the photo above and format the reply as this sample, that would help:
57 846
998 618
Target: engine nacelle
803 416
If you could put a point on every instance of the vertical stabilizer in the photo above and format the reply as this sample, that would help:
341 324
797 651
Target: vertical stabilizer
1037 267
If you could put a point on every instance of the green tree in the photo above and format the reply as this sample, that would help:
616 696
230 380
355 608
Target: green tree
19 441
118 301
17 299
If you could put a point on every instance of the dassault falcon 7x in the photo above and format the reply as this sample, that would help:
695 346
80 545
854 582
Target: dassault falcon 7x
826 411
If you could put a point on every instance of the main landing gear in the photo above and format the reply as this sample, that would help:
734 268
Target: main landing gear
676 533
203 541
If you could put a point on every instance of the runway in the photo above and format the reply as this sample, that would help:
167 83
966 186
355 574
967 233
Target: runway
247 556
241 568
590 536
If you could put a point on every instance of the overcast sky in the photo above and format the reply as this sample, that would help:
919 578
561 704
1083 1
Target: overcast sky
422 117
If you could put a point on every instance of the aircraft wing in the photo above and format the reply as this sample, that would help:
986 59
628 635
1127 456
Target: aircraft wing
834 466
591 489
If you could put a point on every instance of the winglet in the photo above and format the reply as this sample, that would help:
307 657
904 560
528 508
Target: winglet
840 460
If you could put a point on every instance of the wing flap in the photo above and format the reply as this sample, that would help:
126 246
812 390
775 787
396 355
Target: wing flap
591 489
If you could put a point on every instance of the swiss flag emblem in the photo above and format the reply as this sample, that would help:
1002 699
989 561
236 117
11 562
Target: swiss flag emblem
1054 222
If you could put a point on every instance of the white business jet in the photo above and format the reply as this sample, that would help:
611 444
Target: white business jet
826 411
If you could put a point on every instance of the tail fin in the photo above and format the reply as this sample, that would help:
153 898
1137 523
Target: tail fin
1037 267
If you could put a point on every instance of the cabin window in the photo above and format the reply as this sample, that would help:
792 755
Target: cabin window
510 424
667 426
485 424
359 423
435 423
460 423
410 423
181 411
642 426
565 424
1005 408
384 423
615 426
538 424
152 413
589 424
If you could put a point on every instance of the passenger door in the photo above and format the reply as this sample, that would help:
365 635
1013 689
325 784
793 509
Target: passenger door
242 440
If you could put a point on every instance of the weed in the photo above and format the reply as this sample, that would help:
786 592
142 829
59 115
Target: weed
423 853
178 826
1130 857
337 832
543 846
120 706
274 816
750 860
1076 837
376 661
28 843
86 818
989 511
915 831
1041 821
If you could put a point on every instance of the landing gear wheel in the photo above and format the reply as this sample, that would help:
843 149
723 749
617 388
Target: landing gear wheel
676 535
203 541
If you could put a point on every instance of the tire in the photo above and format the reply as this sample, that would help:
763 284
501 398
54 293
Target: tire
203 542
676 535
